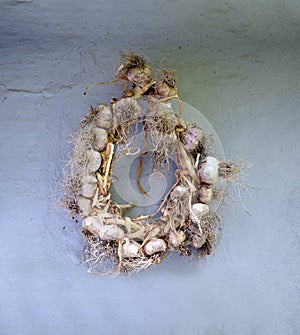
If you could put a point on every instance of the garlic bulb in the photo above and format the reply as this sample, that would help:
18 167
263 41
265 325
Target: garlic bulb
164 89
89 186
93 224
103 117
85 205
155 245
101 138
209 170
94 160
111 232
193 138
140 76
198 241
176 239
205 194
130 248
124 110
197 211
178 192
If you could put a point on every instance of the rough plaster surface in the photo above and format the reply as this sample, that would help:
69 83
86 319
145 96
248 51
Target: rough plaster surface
238 63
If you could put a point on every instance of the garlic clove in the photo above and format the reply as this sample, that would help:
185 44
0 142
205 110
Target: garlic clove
176 238
93 224
155 245
85 205
103 117
205 194
209 170
89 186
193 138
130 248
197 211
94 160
100 139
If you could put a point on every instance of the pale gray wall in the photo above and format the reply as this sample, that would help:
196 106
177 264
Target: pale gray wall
239 65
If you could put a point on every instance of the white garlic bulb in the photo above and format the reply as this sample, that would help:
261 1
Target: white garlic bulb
93 224
198 241
94 160
176 238
209 170
103 117
178 192
111 232
205 194
101 138
85 205
193 138
89 186
197 211
130 248
155 245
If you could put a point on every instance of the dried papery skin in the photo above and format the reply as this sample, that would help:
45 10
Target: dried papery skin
205 194
103 118
85 205
209 170
94 160
177 238
193 138
101 138
130 248
89 186
155 245
197 211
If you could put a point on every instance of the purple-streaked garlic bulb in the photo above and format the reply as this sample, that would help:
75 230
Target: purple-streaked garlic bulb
155 245
164 89
209 170
140 76
193 138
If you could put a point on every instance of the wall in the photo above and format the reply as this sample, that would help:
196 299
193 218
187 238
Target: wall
238 63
